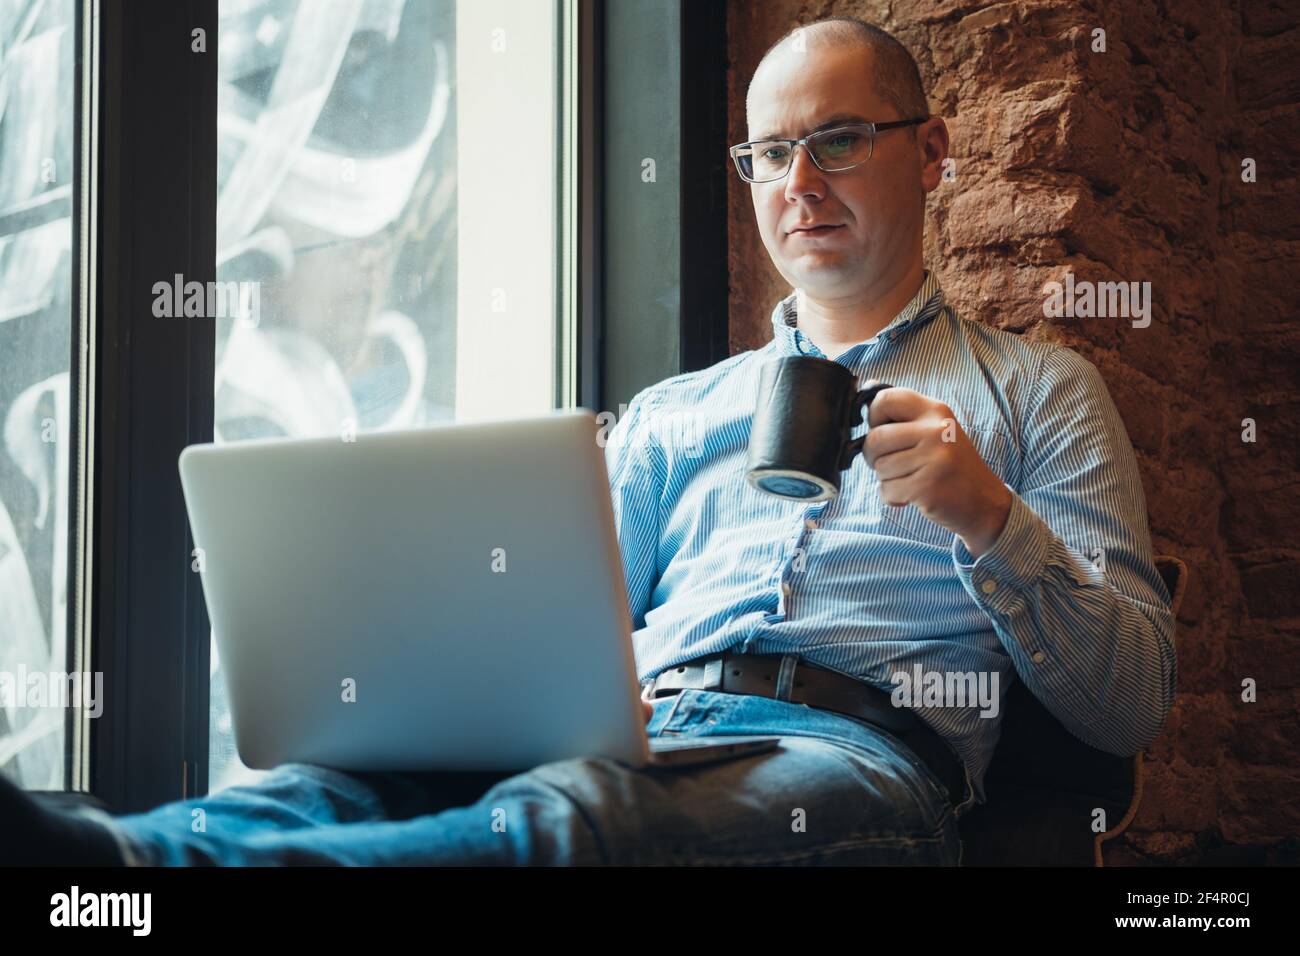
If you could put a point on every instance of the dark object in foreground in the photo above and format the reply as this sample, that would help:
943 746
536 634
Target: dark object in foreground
34 832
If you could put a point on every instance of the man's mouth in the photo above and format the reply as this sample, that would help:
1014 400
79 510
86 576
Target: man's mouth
807 232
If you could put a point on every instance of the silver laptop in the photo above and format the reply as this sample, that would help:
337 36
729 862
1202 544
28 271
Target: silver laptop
443 598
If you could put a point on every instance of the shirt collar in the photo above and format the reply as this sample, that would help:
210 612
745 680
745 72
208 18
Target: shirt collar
790 340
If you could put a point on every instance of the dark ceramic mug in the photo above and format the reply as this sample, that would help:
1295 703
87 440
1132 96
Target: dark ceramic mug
800 440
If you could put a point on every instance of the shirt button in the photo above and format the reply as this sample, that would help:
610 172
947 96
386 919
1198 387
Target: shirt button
989 586
810 524
785 589
1038 657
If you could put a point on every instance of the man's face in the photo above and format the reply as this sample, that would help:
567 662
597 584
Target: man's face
877 207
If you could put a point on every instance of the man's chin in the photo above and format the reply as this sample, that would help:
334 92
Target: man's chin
821 277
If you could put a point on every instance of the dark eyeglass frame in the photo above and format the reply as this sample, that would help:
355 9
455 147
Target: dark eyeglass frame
871 128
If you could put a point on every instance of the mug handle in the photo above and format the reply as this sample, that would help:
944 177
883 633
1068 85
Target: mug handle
861 402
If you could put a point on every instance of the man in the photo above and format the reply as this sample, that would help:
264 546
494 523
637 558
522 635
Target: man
995 475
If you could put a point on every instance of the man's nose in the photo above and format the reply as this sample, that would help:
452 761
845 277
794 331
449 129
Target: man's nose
804 178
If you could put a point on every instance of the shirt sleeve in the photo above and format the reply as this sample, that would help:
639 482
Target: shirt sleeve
1070 584
636 467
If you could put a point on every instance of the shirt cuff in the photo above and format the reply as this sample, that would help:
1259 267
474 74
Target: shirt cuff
1016 561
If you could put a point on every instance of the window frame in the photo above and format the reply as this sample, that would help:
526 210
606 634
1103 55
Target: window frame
662 314
145 208
152 204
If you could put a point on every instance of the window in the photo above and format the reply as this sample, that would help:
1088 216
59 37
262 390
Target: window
388 193
37 60
389 224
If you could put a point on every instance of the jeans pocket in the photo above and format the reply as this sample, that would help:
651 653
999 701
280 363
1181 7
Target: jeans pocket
664 708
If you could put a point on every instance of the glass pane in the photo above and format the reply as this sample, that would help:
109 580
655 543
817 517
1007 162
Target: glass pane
36 141
386 204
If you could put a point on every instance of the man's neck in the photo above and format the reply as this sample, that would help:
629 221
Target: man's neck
836 325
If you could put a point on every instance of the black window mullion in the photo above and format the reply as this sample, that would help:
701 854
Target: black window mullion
156 215
591 204
704 165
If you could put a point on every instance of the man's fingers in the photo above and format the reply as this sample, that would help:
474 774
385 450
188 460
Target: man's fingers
896 404
649 709
899 492
889 438
899 464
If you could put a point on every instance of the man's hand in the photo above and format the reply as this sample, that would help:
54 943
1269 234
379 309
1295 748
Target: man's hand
923 457
649 709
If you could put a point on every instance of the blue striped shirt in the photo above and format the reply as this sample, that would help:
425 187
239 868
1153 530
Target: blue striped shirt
1067 599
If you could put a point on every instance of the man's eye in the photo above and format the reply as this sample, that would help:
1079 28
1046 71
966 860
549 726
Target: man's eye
842 142
774 152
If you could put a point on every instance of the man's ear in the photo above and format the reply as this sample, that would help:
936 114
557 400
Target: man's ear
932 147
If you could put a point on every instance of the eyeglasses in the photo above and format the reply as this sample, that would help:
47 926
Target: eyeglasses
833 150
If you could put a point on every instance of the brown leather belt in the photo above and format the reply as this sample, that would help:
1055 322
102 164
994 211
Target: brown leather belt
787 677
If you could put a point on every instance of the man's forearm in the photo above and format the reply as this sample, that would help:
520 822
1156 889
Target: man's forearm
1098 658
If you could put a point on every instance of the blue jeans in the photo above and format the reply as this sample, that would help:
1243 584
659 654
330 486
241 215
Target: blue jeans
836 791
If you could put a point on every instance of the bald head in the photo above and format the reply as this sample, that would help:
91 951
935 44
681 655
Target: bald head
897 79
